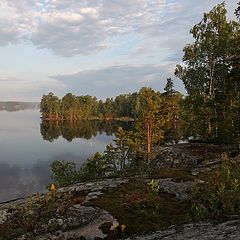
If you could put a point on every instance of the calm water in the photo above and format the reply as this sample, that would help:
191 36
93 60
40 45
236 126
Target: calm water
27 148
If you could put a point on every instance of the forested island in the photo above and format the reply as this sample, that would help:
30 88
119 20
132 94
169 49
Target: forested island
141 187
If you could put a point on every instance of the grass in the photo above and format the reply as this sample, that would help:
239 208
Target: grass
177 174
206 152
141 210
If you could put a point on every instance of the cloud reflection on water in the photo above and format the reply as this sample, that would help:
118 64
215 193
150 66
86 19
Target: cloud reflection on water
16 182
25 157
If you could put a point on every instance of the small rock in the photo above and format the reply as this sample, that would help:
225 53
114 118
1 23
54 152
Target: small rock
4 214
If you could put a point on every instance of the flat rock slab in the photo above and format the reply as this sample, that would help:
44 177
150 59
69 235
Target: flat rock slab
181 190
229 230
77 220
71 228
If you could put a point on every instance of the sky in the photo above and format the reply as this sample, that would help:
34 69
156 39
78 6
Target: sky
96 47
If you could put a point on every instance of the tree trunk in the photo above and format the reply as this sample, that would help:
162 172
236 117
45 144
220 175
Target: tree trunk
148 142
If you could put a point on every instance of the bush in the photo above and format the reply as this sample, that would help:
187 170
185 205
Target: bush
94 168
64 173
220 195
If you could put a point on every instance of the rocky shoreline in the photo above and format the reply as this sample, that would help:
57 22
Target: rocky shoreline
76 212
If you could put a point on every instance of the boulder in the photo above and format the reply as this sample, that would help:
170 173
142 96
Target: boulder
172 157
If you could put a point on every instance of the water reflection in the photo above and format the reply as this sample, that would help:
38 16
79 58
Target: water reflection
25 156
17 181
52 130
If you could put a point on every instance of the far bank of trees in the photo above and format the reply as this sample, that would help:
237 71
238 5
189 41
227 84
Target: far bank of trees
73 108
151 111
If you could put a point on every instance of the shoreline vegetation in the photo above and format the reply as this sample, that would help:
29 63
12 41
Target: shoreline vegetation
61 119
141 184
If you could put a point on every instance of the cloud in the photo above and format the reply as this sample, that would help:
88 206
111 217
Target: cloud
171 32
72 27
92 25
69 34
25 89
118 34
77 27
114 80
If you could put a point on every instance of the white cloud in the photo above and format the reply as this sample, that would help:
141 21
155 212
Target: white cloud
71 27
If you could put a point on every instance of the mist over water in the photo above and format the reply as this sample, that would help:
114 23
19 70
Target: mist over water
27 148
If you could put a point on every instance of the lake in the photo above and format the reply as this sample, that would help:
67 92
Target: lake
27 147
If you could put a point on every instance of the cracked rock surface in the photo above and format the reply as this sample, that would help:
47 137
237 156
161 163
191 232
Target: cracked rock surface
77 220
229 230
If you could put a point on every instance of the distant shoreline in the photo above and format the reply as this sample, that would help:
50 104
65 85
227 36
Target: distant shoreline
12 106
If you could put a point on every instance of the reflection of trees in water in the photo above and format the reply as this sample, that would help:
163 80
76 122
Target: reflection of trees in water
51 130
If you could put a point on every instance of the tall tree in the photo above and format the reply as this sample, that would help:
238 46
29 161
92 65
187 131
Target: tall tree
172 111
169 86
237 11
149 121
206 75
69 107
50 106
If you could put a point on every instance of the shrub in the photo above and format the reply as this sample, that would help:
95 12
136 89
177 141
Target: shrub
94 168
220 194
64 173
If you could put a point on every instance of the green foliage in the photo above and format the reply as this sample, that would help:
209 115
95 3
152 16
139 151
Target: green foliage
154 185
211 77
64 173
141 212
74 108
172 112
131 149
150 121
50 106
199 211
123 149
151 111
220 194
94 168
169 85
237 11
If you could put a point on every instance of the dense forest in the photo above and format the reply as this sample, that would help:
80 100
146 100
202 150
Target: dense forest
210 74
73 108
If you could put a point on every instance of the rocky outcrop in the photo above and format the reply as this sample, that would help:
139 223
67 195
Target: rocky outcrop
71 221
79 221
229 230
181 190
76 217
172 157
193 155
